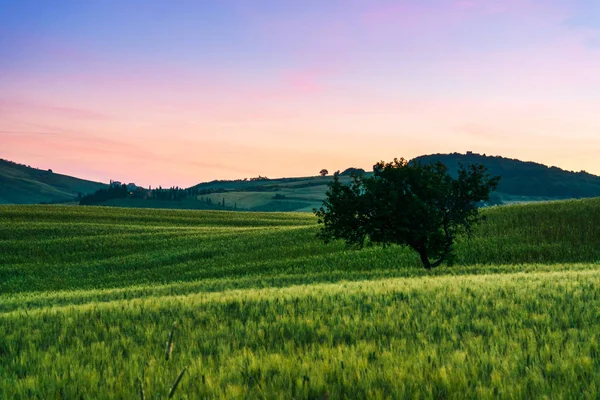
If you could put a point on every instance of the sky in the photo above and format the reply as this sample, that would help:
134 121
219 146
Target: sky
177 92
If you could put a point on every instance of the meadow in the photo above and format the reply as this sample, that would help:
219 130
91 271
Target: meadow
262 309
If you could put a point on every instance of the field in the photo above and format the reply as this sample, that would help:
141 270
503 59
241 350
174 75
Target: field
287 194
89 295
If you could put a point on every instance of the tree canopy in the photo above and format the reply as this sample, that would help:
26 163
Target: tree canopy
421 206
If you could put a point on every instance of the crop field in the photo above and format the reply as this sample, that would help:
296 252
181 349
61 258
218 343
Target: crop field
101 302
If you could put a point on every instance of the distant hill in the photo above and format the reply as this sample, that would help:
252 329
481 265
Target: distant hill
525 180
521 182
20 184
282 194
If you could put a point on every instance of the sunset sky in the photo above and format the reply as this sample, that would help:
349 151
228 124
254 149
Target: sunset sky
177 92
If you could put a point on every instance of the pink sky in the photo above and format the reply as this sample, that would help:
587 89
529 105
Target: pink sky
177 92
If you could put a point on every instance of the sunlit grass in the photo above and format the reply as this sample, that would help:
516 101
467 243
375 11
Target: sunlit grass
88 296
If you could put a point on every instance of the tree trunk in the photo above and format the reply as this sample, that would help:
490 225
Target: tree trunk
424 258
422 250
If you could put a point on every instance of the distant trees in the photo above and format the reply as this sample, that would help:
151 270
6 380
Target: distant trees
258 178
323 172
116 190
420 206
173 193
353 171
112 192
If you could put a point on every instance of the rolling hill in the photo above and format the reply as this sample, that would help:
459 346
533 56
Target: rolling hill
20 184
525 180
521 182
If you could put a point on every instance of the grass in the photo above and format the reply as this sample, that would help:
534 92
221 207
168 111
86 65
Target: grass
88 295
293 194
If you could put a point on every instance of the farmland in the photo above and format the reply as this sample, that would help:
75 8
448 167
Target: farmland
88 296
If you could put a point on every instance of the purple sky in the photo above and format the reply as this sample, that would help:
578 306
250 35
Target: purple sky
178 92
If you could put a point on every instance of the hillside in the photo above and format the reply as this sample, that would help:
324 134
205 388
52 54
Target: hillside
20 184
284 194
526 180
262 309
521 182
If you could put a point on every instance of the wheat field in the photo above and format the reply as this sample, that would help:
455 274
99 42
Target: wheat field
259 308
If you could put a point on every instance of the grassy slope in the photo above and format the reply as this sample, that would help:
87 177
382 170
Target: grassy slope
265 310
527 179
521 182
20 184
299 194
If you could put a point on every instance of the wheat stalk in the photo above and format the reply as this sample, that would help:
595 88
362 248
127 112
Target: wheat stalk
176 383
142 396
169 348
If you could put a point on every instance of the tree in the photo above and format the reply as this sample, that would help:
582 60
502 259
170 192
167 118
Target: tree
412 204
323 172
353 171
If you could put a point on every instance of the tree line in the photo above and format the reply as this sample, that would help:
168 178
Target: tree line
122 191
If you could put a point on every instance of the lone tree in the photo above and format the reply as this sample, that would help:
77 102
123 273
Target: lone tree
421 206
323 172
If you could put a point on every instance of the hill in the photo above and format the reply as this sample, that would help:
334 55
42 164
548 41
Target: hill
265 310
283 194
20 184
521 182
525 180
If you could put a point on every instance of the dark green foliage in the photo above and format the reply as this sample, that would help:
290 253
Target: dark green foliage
353 171
102 195
117 191
173 193
403 203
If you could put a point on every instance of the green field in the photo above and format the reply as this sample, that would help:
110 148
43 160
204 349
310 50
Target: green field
88 296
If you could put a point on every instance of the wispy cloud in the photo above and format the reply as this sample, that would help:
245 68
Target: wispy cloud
28 133
10 106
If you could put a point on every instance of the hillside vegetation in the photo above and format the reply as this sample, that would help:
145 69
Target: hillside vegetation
264 310
521 182
20 184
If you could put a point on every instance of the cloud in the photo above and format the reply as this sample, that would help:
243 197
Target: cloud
27 133
12 107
